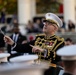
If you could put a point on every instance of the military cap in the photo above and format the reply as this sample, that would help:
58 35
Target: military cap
67 52
3 57
53 18
24 58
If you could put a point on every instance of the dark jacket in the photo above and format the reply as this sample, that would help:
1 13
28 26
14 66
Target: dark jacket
2 43
20 39
67 74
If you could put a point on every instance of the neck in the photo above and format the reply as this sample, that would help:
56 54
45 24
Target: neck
50 34
71 70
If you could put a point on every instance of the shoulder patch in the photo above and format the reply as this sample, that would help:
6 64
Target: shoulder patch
60 38
40 35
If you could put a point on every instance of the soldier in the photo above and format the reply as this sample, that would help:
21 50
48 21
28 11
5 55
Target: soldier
68 55
45 45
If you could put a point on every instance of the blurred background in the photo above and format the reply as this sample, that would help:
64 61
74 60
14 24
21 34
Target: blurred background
27 15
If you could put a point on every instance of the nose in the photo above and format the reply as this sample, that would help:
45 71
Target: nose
45 24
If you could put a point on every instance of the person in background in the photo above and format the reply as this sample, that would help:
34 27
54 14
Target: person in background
45 45
18 38
2 43
29 27
3 14
14 18
71 26
41 24
63 28
38 25
68 56
68 41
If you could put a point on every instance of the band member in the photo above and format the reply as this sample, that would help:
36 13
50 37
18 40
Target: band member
68 56
18 38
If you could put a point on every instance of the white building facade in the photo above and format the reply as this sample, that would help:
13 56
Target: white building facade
27 10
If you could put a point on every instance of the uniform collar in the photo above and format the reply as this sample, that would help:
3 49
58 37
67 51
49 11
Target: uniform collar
66 73
48 37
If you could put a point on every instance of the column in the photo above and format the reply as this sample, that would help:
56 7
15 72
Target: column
69 10
26 10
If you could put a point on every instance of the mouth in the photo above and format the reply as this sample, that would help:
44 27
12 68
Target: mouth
45 27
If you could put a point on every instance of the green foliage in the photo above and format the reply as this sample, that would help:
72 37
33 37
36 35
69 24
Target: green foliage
43 6
10 5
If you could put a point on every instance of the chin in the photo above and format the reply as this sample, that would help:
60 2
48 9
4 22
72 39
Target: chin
44 32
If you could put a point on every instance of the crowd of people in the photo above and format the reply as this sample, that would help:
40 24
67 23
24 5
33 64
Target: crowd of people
34 25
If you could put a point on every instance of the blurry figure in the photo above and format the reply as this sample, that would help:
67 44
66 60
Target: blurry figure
68 41
8 29
3 28
14 23
63 28
2 43
71 26
14 18
3 58
3 14
18 38
37 25
41 24
68 55
30 27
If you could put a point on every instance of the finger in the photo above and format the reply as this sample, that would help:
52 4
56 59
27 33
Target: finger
6 38
34 50
31 45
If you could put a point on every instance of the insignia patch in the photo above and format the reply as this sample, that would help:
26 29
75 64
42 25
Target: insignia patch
49 43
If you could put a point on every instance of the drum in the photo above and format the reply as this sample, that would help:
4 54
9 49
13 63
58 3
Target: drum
3 57
24 59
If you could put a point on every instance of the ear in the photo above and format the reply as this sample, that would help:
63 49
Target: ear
56 27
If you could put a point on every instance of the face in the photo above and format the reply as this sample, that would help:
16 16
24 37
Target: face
48 27
16 30
68 43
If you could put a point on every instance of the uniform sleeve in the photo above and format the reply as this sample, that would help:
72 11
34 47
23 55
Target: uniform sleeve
60 44
2 43
24 38
9 48
58 58
24 48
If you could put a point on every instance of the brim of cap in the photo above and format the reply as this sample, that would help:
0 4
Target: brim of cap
49 20
67 58
67 52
